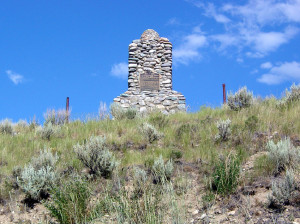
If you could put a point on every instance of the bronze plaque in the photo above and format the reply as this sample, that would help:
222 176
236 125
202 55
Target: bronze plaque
149 81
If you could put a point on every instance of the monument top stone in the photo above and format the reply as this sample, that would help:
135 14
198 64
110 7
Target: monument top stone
150 35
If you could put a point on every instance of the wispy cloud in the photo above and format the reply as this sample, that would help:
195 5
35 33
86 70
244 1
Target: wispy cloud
266 65
14 77
120 70
173 21
189 49
211 11
255 28
287 71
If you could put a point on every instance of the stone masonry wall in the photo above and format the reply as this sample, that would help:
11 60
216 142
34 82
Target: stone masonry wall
152 53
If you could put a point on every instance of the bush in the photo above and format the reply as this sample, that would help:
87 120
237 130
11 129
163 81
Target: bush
140 175
226 174
70 202
95 155
46 158
162 171
282 190
39 176
6 127
241 99
58 117
36 183
150 132
119 113
21 126
283 154
48 131
290 96
224 130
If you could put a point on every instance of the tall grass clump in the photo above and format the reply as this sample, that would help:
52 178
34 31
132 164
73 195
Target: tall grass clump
226 175
48 131
102 111
39 176
290 96
95 155
224 130
241 99
282 190
158 119
70 202
58 117
6 127
150 132
119 113
283 154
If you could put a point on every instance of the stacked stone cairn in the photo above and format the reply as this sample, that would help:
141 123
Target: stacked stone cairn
151 56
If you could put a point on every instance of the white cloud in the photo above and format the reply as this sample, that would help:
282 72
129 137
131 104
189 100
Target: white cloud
120 70
189 49
210 11
265 42
255 28
288 71
266 12
15 77
173 21
266 65
225 40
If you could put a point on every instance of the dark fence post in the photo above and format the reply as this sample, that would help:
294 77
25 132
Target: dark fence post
224 94
67 109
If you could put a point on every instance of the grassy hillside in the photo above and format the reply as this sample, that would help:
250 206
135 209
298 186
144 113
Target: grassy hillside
202 177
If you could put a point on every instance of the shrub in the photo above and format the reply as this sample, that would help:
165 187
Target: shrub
290 96
6 127
283 154
150 132
282 190
224 130
36 183
119 113
95 155
241 99
70 202
226 174
58 117
48 131
45 158
140 175
39 176
21 126
161 170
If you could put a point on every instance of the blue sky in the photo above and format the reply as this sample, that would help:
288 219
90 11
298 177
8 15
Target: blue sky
54 49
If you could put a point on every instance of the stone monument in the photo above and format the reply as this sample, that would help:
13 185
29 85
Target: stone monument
150 76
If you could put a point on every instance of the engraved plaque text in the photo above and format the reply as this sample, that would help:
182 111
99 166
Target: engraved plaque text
149 81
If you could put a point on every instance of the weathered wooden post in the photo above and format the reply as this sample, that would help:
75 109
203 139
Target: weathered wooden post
224 94
67 110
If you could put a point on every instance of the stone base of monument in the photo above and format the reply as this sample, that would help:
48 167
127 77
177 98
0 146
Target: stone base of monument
150 76
166 101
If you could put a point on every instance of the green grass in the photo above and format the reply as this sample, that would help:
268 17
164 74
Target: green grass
189 134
